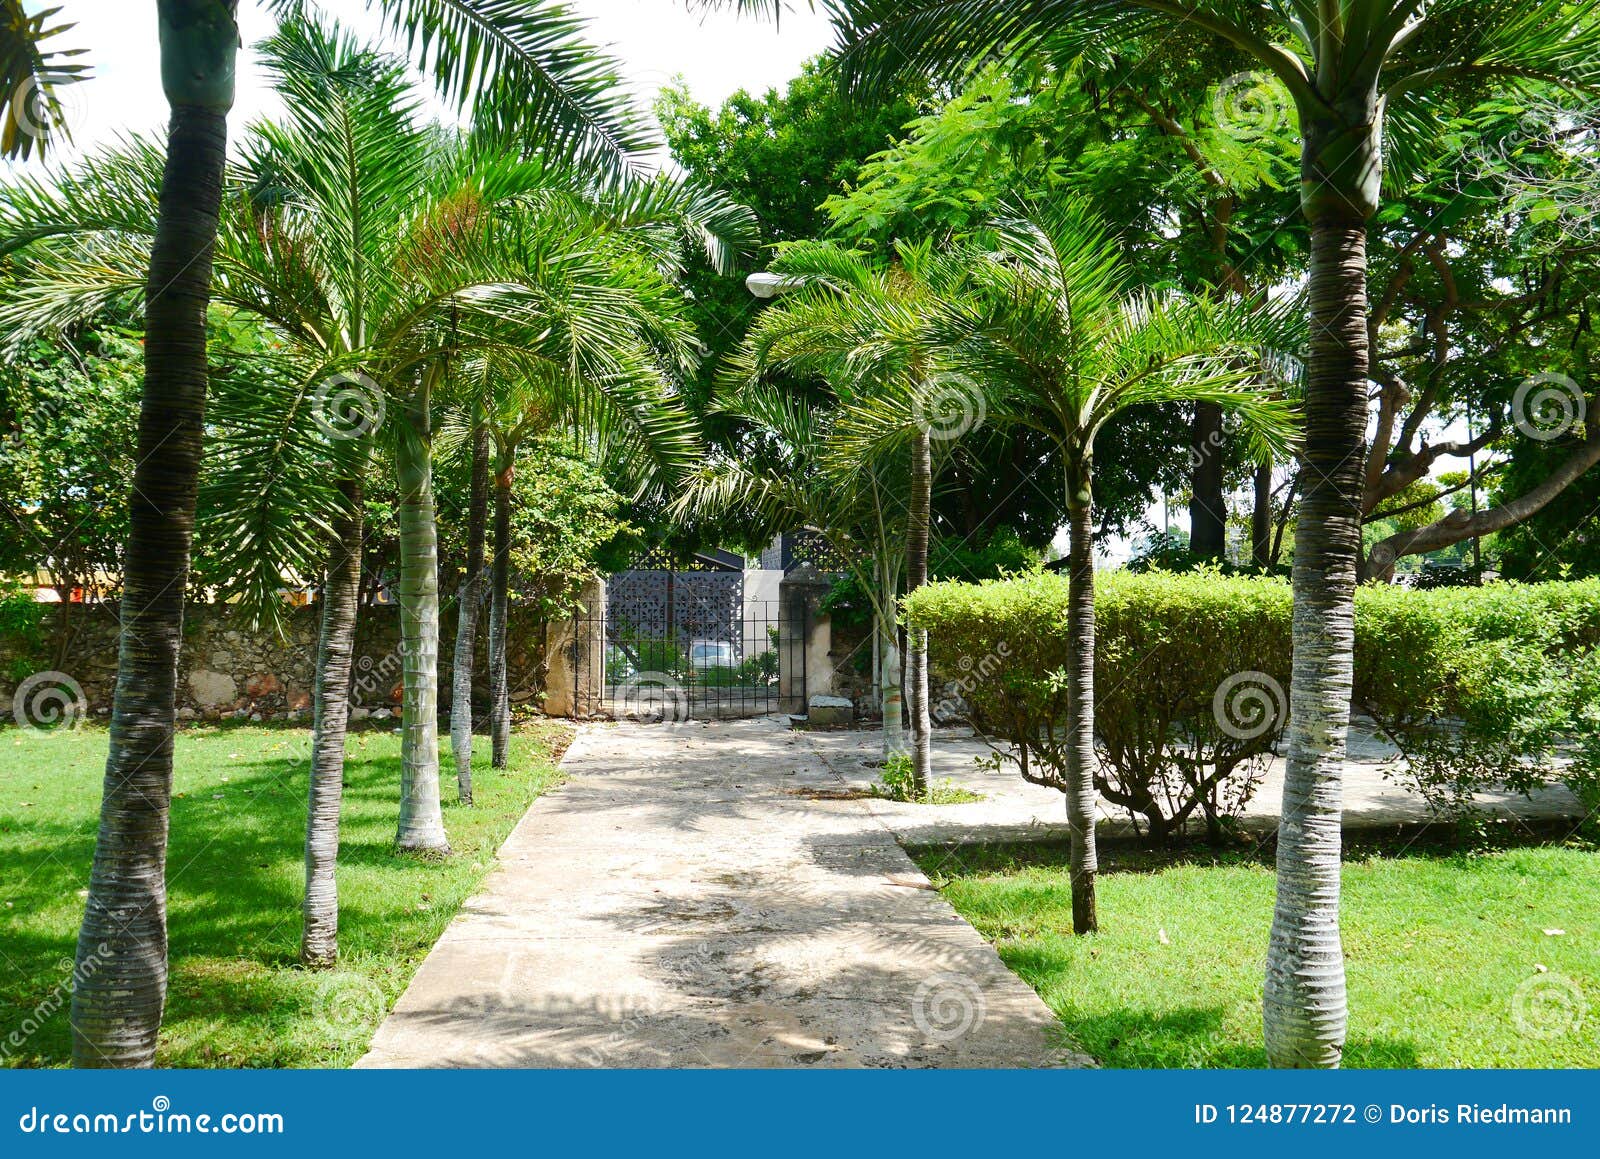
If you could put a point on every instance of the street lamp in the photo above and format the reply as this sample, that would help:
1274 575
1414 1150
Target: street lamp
767 285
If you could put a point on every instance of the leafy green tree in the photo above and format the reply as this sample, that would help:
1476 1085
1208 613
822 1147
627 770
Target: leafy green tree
31 75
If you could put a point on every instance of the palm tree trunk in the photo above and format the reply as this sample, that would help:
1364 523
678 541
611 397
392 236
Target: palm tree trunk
341 601
1304 1010
421 827
890 692
120 975
917 521
466 657
499 611
1261 518
1208 515
1082 802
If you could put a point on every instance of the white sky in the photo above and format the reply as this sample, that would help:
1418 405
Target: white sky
654 39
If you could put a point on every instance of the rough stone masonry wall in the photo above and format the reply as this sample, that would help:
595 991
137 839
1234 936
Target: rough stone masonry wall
230 669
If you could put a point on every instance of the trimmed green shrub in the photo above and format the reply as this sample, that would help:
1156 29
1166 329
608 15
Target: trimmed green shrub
1190 679
1478 687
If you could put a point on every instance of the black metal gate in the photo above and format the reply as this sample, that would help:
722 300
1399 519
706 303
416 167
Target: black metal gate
697 656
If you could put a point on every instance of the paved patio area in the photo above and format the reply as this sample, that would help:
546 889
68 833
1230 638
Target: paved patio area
708 895
1012 809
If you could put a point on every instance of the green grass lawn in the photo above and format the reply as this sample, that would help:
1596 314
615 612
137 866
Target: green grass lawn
1438 945
235 879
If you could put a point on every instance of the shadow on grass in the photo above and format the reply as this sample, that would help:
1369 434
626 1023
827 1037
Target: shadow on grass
235 889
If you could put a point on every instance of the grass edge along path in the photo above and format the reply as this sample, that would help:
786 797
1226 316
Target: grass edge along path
238 997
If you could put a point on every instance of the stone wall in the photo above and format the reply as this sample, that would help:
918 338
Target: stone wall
229 669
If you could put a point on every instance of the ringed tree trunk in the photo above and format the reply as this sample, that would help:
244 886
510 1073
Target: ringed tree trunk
890 690
1261 518
917 529
421 827
1208 515
471 601
499 611
1082 802
120 973
341 602
1304 1007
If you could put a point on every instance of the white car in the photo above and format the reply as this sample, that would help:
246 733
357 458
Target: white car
704 654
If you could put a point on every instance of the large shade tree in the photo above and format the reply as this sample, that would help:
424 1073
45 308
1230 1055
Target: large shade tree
1359 73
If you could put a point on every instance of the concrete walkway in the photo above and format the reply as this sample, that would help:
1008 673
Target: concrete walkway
708 896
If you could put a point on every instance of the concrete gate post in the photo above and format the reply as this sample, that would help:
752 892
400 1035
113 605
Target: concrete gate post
575 681
804 637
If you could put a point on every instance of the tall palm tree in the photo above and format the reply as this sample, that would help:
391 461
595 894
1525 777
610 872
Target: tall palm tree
1358 73
470 604
780 481
1062 347
533 54
876 330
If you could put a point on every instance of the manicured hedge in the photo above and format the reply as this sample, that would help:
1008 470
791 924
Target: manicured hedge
1478 686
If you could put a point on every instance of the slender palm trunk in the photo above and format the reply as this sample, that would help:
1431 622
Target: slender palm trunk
890 692
1304 1010
421 827
1082 802
120 976
466 657
499 611
341 601
917 521
1261 518
1208 514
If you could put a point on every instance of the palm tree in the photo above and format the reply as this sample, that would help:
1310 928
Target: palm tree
780 479
875 331
540 69
470 603
1063 348
1358 73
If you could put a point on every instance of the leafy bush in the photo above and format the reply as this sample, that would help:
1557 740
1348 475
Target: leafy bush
1478 687
1189 676
898 783
1484 687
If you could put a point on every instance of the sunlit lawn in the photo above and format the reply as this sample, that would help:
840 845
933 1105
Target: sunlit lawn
238 998
1439 946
